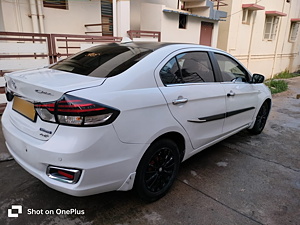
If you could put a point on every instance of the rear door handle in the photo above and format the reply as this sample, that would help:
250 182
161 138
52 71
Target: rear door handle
180 100
230 94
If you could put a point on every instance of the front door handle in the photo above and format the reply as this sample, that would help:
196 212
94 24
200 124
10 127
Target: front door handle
230 94
180 100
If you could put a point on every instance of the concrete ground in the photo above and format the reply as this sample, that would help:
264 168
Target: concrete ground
243 180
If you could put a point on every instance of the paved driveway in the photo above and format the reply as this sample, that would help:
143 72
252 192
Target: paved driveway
242 180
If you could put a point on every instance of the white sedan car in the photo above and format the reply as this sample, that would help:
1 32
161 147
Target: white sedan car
118 116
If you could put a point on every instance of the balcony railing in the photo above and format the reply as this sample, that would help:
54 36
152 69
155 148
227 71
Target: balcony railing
135 34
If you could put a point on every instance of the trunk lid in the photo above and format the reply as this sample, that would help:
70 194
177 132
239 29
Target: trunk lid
41 85
44 85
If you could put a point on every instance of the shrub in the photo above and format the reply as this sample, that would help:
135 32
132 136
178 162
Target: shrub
277 86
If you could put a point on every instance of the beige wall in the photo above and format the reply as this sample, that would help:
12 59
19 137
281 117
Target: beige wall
151 17
72 21
129 15
224 28
247 43
140 14
16 19
15 16
1 18
135 14
171 32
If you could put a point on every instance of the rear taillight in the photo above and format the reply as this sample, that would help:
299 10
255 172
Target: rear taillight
71 110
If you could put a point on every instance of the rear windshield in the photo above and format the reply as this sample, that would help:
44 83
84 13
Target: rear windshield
103 60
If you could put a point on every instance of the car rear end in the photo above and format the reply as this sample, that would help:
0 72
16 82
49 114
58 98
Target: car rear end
64 138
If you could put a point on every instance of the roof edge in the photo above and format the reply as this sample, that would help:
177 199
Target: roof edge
275 13
253 7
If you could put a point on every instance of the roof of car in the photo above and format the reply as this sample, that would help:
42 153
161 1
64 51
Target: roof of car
156 45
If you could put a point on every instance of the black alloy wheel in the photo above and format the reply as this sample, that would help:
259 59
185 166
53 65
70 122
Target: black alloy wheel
261 119
157 170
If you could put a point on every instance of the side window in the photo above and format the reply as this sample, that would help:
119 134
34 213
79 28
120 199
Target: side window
191 67
195 67
231 70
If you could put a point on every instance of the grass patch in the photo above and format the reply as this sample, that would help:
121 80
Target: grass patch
277 86
286 74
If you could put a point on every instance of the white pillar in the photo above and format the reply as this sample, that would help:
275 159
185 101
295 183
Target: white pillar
18 16
115 18
123 17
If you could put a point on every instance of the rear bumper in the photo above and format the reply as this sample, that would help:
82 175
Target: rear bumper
104 160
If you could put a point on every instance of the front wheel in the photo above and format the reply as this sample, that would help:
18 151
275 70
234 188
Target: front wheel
157 170
261 119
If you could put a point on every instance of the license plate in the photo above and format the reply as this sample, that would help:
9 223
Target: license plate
24 108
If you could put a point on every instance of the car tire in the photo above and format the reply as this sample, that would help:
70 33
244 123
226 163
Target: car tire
261 119
157 170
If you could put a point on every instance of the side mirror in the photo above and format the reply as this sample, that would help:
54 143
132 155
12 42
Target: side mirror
257 78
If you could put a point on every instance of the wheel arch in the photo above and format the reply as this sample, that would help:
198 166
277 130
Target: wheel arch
177 138
269 102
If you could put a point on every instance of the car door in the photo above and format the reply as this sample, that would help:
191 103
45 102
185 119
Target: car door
241 97
195 100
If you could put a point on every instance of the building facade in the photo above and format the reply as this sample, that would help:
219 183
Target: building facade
262 34
187 21
191 21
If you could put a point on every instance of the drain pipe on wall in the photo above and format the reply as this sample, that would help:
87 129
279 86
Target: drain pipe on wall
37 16
251 40
41 16
34 16
277 42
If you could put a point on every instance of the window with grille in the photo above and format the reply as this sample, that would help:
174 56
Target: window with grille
294 31
182 21
107 17
247 14
57 4
271 25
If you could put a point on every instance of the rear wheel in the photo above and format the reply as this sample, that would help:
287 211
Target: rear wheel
261 119
157 170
